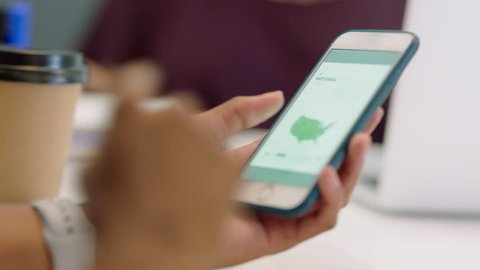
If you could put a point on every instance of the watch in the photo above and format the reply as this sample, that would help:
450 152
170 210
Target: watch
68 234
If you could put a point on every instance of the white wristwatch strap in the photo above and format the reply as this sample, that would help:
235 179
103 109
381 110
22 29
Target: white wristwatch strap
68 234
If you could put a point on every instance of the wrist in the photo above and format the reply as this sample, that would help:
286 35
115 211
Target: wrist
68 234
21 234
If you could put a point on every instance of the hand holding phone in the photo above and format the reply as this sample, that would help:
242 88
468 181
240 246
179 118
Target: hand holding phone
337 99
249 234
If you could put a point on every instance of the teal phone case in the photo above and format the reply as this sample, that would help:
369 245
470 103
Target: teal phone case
377 101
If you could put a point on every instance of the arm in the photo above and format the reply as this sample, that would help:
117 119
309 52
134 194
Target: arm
138 78
21 241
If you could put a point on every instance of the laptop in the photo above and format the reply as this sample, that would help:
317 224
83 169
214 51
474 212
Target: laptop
430 161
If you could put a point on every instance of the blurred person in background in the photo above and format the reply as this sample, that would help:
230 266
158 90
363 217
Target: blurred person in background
219 49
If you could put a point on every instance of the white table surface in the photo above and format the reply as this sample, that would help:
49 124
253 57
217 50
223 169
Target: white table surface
363 240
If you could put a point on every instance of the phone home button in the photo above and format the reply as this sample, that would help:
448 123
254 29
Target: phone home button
265 193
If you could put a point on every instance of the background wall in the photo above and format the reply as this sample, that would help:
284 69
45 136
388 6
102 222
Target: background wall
60 24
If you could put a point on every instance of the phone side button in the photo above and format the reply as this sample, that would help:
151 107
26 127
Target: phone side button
265 193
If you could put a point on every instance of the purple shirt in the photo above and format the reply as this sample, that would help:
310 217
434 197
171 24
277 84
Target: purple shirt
225 48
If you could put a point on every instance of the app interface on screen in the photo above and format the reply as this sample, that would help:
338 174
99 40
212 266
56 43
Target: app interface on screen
321 116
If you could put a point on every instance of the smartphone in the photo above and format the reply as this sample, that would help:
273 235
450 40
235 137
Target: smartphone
337 99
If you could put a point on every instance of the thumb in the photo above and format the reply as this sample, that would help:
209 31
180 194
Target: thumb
241 113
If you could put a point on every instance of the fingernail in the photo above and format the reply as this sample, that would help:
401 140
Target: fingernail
273 93
258 116
272 111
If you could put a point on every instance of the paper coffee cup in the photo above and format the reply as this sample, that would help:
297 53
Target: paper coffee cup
38 93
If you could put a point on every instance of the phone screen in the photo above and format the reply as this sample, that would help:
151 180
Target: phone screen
318 119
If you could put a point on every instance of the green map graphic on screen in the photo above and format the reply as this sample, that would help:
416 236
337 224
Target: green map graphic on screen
306 129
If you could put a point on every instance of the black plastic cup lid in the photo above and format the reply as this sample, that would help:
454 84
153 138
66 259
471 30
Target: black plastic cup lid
36 66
